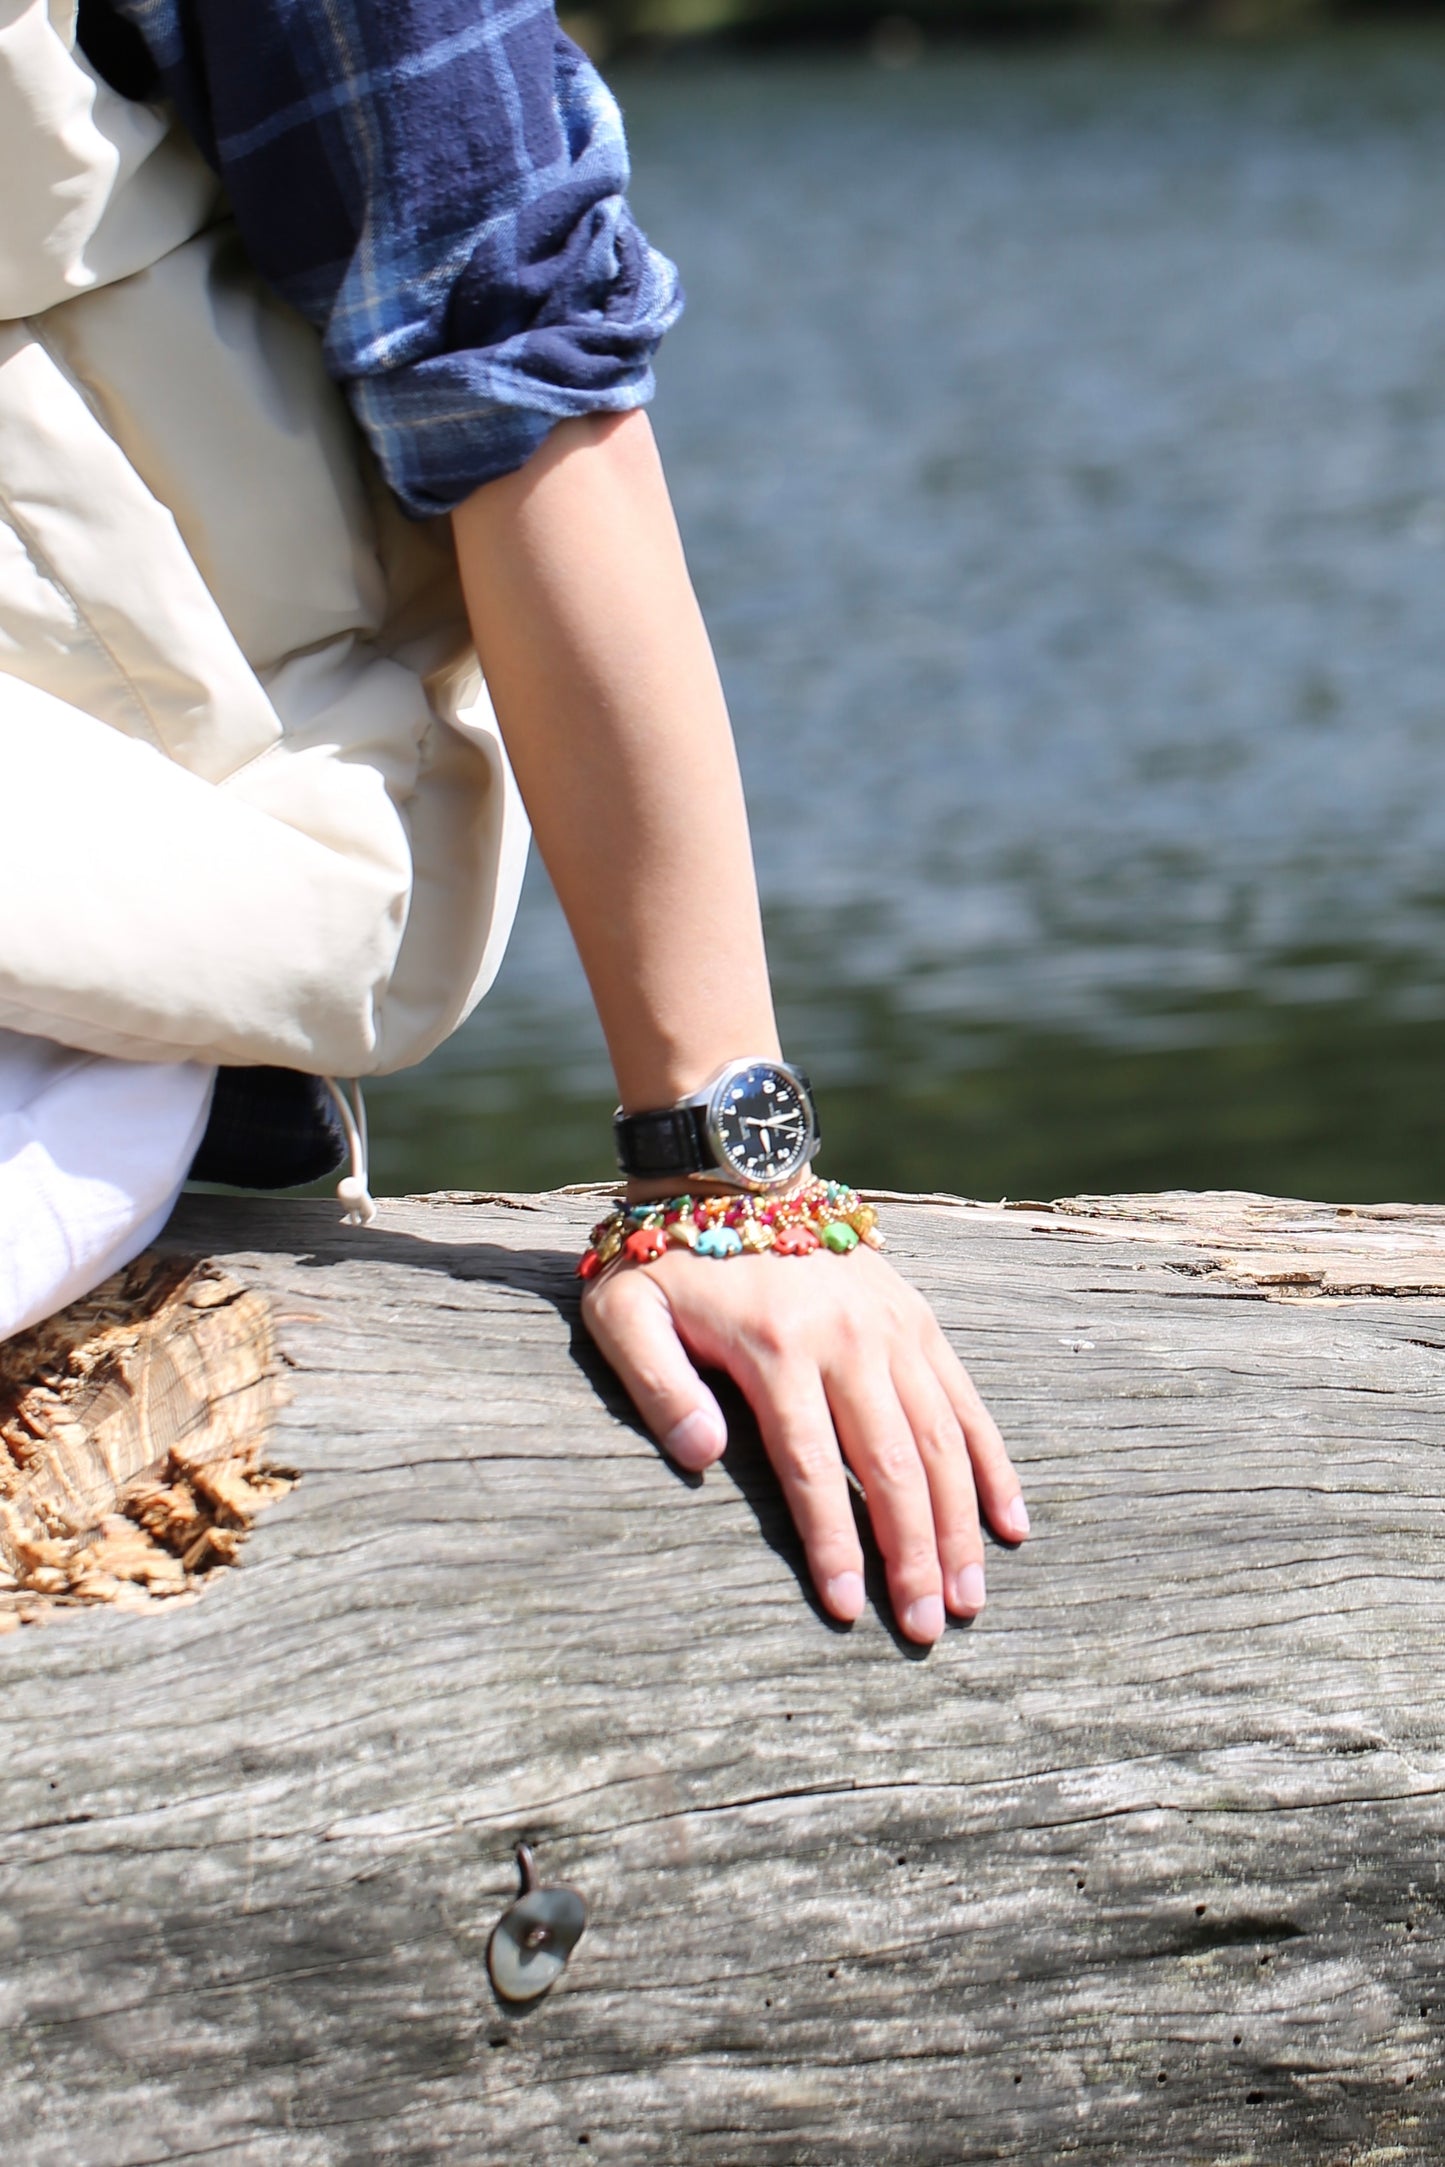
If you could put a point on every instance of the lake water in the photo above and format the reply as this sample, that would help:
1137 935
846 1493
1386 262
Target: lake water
1059 440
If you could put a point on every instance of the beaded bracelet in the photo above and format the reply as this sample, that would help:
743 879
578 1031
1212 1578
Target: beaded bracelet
819 1215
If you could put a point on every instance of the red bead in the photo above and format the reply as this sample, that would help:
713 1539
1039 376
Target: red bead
795 1241
646 1245
590 1266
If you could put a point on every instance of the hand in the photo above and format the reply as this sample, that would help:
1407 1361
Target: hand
841 1360
605 687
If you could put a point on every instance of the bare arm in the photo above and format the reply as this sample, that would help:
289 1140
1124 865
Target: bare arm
608 698
605 686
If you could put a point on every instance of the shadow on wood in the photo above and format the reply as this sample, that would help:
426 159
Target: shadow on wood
1145 1866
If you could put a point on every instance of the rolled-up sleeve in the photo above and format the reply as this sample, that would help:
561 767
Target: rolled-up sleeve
440 187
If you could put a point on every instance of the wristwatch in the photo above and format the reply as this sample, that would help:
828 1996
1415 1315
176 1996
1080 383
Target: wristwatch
753 1126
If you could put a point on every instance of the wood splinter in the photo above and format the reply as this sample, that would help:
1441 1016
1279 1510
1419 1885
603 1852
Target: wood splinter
132 1433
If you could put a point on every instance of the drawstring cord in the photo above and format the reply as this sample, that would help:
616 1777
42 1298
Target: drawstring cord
353 1190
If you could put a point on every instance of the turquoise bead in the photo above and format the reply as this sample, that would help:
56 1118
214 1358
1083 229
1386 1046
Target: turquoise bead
719 1241
840 1236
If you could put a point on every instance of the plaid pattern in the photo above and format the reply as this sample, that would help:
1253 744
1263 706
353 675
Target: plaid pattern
439 187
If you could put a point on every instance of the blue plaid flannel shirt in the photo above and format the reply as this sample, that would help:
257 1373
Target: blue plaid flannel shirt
439 187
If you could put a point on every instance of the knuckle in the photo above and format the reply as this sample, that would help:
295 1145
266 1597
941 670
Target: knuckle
942 1441
812 1462
903 1304
649 1381
894 1462
769 1336
915 1561
602 1296
847 1336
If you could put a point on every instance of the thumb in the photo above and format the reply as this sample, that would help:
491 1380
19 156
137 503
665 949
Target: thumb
628 1317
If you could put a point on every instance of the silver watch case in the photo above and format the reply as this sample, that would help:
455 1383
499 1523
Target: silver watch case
711 1097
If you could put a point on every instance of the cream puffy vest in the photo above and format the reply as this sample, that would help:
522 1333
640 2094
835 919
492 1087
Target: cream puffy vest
253 805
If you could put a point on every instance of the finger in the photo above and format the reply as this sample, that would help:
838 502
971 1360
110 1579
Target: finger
944 1453
629 1319
1000 1492
797 1431
880 1448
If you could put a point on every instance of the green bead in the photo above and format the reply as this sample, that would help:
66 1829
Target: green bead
840 1236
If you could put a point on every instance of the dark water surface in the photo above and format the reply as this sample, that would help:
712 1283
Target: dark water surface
1059 439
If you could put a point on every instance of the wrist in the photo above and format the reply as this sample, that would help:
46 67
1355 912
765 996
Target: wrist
752 1127
654 1189
660 1189
658 1075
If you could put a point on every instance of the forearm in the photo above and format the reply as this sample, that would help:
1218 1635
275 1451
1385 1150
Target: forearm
608 697
605 689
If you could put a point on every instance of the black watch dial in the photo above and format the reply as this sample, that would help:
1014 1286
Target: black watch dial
761 1125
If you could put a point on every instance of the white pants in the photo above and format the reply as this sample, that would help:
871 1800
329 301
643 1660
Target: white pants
93 1154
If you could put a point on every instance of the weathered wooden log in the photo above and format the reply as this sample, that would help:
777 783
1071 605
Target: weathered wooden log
1145 1866
131 1430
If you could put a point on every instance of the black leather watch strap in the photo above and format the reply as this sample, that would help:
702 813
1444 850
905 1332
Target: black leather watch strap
672 1140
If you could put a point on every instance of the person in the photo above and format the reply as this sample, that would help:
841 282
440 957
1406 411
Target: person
280 838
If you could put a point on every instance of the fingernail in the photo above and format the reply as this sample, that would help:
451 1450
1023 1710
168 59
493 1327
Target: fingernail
1016 1520
844 1595
968 1590
697 1440
923 1620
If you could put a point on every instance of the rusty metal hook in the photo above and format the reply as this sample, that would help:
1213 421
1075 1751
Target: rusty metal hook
535 1936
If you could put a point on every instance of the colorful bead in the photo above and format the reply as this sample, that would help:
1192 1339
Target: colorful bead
817 1213
719 1241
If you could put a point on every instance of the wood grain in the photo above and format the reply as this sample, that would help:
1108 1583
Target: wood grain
1145 1866
132 1430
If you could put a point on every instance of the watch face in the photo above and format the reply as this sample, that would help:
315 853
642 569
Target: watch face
761 1123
